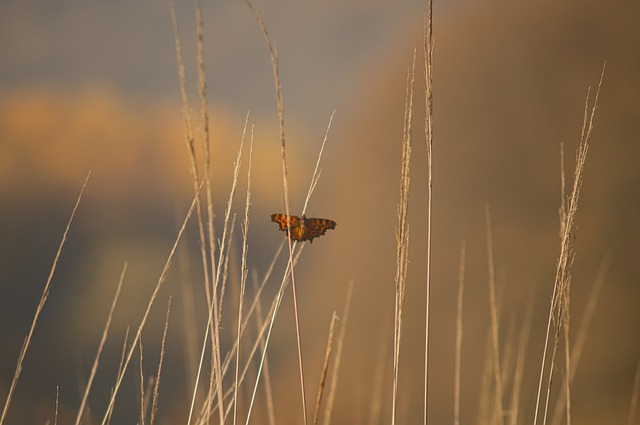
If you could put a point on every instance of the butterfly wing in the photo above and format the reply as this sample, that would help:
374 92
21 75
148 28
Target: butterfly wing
285 221
315 227
302 229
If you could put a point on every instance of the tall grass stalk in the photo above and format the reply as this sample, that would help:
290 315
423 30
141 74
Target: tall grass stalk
263 344
563 403
325 367
581 336
317 170
495 344
565 260
428 130
142 392
264 326
458 362
338 356
191 154
156 386
402 235
268 389
43 300
633 406
55 417
518 373
196 179
285 180
484 399
271 320
216 378
377 386
243 279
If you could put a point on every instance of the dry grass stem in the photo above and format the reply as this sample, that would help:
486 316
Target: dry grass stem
567 356
191 153
325 367
338 357
377 386
226 229
316 171
255 303
156 387
633 406
215 307
566 256
262 325
142 403
484 400
271 320
497 375
285 179
274 61
96 361
271 416
243 279
581 335
221 282
193 169
509 352
458 367
55 417
562 212
402 235
43 300
123 356
428 130
190 328
516 388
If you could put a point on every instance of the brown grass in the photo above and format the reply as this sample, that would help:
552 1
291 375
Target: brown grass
241 367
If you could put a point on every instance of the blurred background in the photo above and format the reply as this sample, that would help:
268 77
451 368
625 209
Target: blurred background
93 86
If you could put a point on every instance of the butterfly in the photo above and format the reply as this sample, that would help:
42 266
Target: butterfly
302 229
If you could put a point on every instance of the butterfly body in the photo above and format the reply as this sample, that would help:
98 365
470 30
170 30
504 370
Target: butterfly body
302 228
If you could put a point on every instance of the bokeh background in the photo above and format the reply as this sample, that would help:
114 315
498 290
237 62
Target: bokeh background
93 86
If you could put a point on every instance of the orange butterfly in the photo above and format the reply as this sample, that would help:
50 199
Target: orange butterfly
302 229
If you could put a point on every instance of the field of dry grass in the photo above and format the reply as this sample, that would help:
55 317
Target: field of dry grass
470 226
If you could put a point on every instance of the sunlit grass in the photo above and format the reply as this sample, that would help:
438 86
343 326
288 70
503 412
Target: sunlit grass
231 355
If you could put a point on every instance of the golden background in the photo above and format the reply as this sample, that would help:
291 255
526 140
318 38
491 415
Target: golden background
95 88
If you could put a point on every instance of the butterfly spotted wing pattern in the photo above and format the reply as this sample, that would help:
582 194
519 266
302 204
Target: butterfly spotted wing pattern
303 229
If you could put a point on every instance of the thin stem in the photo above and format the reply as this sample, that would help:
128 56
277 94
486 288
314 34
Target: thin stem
494 319
456 392
428 124
285 178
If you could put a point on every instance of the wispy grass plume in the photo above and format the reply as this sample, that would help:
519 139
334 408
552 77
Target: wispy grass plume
565 261
402 235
